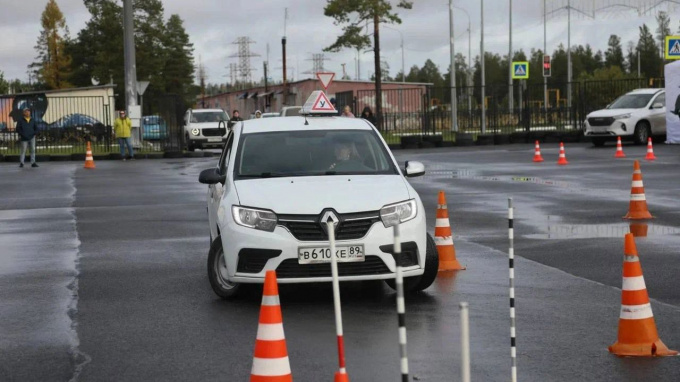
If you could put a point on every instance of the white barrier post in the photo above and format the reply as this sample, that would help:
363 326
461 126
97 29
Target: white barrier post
464 342
511 256
401 307
341 374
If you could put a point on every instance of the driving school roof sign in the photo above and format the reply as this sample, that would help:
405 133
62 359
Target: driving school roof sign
318 103
672 47
520 70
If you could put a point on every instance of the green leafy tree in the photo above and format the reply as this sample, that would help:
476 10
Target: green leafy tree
4 85
355 14
53 64
412 75
613 57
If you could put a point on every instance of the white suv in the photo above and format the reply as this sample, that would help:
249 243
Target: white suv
205 128
279 181
637 115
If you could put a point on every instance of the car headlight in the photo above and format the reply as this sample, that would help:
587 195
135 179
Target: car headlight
195 131
253 218
622 116
393 214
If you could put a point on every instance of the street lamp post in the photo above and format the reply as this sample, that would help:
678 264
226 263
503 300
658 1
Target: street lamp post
452 82
469 71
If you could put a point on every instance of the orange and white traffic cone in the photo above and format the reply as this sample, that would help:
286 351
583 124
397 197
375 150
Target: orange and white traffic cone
650 150
619 149
443 239
89 160
537 154
562 160
270 361
637 335
637 209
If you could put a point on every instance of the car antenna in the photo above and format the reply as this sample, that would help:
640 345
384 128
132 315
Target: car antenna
306 122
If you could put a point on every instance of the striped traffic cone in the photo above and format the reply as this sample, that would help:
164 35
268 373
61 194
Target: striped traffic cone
89 160
619 149
650 150
562 160
270 362
637 335
537 154
637 209
443 239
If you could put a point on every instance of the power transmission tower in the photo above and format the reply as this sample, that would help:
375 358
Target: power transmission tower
244 54
318 63
233 74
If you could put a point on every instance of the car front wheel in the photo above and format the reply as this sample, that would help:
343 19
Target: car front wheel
422 282
641 133
598 142
218 274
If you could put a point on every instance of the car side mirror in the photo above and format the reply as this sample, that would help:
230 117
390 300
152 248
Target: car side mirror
413 169
222 127
657 105
211 176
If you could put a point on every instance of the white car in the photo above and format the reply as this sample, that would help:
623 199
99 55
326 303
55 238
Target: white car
205 128
290 111
638 115
277 183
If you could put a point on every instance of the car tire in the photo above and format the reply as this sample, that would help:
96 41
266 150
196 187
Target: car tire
641 133
422 282
598 142
217 272
190 146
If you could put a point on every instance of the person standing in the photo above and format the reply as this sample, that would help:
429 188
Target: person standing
235 117
347 112
122 127
367 114
27 129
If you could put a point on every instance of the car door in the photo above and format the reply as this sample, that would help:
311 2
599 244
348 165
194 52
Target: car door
216 191
658 116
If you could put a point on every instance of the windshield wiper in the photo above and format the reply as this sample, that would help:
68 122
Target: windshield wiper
266 175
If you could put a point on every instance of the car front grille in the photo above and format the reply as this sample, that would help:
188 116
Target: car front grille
600 121
350 227
213 132
372 265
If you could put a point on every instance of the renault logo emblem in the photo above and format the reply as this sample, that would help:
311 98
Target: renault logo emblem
329 216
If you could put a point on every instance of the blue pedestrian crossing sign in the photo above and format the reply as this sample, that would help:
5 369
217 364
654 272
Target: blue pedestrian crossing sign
520 70
672 48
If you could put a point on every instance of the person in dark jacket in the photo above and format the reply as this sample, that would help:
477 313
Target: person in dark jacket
367 114
235 117
27 129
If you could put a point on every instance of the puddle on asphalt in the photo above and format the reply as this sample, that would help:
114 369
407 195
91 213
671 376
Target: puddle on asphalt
588 231
475 175
446 282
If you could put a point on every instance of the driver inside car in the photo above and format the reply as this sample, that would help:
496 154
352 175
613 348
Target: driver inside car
347 158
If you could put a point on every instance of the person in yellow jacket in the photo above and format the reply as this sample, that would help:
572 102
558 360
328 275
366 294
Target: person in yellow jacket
122 127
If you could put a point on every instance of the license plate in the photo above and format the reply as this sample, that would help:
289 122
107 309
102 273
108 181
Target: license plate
344 254
214 139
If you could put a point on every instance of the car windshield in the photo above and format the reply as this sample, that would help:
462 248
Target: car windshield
312 153
209 116
631 101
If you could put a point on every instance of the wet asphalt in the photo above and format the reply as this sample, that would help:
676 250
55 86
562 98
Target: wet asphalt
103 275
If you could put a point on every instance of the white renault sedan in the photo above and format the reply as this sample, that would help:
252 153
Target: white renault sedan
280 180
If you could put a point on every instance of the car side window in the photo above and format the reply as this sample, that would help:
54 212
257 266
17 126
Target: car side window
661 99
226 153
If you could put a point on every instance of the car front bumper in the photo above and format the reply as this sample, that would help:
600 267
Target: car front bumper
207 142
380 263
620 127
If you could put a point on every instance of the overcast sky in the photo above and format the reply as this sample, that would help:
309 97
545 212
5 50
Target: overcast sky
213 25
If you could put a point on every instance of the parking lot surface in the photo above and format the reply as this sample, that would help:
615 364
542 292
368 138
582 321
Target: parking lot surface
104 274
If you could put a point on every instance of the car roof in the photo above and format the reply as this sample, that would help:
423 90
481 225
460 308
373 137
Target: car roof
645 91
298 123
206 110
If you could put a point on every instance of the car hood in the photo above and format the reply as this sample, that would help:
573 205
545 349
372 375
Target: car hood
208 125
310 195
611 112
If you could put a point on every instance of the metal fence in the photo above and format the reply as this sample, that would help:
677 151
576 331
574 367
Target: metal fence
414 112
